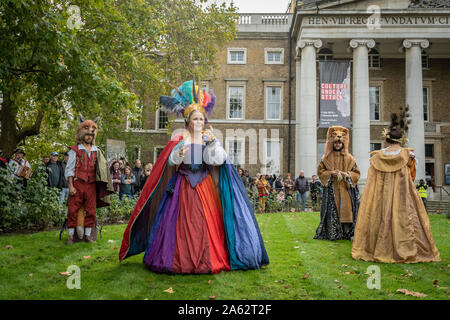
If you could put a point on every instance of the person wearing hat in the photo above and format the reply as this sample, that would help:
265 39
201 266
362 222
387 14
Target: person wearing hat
17 164
55 172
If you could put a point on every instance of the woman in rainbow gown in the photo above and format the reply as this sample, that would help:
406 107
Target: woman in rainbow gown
193 214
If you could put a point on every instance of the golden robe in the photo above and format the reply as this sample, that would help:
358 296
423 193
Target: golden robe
345 163
392 225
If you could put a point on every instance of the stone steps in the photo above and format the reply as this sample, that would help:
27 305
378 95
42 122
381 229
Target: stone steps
435 206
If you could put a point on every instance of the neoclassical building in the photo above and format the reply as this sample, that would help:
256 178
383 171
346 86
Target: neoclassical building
267 88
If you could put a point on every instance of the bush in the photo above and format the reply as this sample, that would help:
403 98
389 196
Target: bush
32 207
118 211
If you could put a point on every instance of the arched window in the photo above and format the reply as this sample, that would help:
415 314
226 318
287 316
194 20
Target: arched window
374 58
325 54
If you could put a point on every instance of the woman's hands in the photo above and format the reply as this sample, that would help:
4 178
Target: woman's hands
208 133
182 151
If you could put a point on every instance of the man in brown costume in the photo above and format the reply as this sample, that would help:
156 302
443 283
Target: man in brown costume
339 175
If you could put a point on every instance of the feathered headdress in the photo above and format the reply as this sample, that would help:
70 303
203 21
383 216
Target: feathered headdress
187 98
399 122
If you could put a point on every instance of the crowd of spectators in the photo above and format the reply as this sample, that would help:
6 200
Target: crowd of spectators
289 194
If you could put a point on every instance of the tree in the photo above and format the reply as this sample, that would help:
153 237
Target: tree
98 58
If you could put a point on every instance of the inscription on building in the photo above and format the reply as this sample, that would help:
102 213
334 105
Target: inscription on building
384 20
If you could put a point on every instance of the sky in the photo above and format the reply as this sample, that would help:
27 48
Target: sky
259 6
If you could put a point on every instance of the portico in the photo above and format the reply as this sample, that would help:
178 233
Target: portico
398 34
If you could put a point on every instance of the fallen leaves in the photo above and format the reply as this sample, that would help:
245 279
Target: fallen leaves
170 290
350 272
406 292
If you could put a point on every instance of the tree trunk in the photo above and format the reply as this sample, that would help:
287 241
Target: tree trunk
8 137
11 136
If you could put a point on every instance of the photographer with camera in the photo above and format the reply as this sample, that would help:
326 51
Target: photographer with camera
422 189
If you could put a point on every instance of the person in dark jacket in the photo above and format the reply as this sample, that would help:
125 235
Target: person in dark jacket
316 192
55 172
145 174
278 184
302 186
137 172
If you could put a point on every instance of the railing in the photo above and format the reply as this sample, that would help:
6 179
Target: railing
275 19
264 19
440 191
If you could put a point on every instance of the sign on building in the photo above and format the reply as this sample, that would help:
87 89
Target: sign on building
334 93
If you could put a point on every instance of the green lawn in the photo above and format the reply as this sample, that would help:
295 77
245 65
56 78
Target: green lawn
300 268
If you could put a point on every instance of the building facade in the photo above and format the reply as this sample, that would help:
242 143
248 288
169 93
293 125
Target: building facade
267 109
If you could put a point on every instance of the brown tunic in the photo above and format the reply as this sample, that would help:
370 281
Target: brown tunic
344 163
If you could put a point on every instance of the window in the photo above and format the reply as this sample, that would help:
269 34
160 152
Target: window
163 119
374 100
425 64
426 104
273 154
237 56
274 55
374 59
273 103
429 150
236 102
235 151
375 146
325 54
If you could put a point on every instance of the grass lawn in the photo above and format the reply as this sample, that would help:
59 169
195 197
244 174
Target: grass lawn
300 268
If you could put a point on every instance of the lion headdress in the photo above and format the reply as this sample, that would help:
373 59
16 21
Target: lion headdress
86 127
334 134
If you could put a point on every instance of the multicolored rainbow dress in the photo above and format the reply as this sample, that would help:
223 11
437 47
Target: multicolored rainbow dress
194 217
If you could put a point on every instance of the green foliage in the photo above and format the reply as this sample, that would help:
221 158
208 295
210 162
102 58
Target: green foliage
121 54
32 207
117 211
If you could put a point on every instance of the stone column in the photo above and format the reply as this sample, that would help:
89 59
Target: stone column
306 108
361 106
414 99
